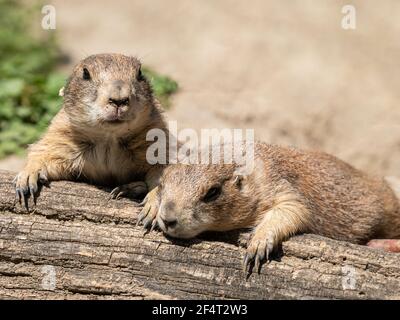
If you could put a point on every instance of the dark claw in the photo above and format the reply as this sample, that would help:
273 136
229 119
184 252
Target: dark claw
19 194
142 216
26 198
257 264
139 218
146 224
35 191
26 191
248 259
113 193
153 225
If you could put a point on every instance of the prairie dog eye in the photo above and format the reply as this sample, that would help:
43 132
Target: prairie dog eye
86 74
212 194
140 75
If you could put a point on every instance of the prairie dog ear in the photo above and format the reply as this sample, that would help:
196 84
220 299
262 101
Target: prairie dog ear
61 92
238 176
253 170
242 171
237 181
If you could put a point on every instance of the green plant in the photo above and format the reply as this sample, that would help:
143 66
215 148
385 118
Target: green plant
29 82
163 86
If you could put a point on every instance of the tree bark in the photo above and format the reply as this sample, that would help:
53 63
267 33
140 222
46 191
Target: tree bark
78 244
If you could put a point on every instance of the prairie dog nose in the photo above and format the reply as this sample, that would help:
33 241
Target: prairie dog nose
167 215
119 93
169 222
121 102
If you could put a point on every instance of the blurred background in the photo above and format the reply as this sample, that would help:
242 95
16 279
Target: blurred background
285 68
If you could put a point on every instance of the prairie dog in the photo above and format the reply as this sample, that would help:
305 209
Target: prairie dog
289 191
99 135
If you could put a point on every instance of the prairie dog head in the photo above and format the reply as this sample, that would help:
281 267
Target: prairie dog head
198 198
107 90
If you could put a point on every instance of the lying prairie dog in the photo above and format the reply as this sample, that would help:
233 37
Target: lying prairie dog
289 191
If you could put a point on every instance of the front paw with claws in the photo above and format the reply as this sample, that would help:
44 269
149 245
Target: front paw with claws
131 190
148 215
258 251
28 183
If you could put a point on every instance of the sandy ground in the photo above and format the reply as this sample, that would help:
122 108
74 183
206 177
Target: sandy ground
285 68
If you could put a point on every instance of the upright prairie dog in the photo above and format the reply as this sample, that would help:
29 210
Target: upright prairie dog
99 135
289 191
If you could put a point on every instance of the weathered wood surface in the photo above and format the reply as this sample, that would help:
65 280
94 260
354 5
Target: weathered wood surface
94 251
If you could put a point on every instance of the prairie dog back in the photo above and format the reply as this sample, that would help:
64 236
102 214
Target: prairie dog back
289 191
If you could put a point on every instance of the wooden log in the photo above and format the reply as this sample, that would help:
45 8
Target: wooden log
78 244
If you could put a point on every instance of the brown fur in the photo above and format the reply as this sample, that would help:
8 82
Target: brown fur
289 191
88 139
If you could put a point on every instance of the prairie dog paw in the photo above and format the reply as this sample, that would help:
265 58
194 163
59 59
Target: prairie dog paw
28 184
130 190
148 215
258 250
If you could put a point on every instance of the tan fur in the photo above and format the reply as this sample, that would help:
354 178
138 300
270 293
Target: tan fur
289 191
83 142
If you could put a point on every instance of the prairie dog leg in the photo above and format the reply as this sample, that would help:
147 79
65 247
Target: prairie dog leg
151 204
280 222
38 172
28 182
148 215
